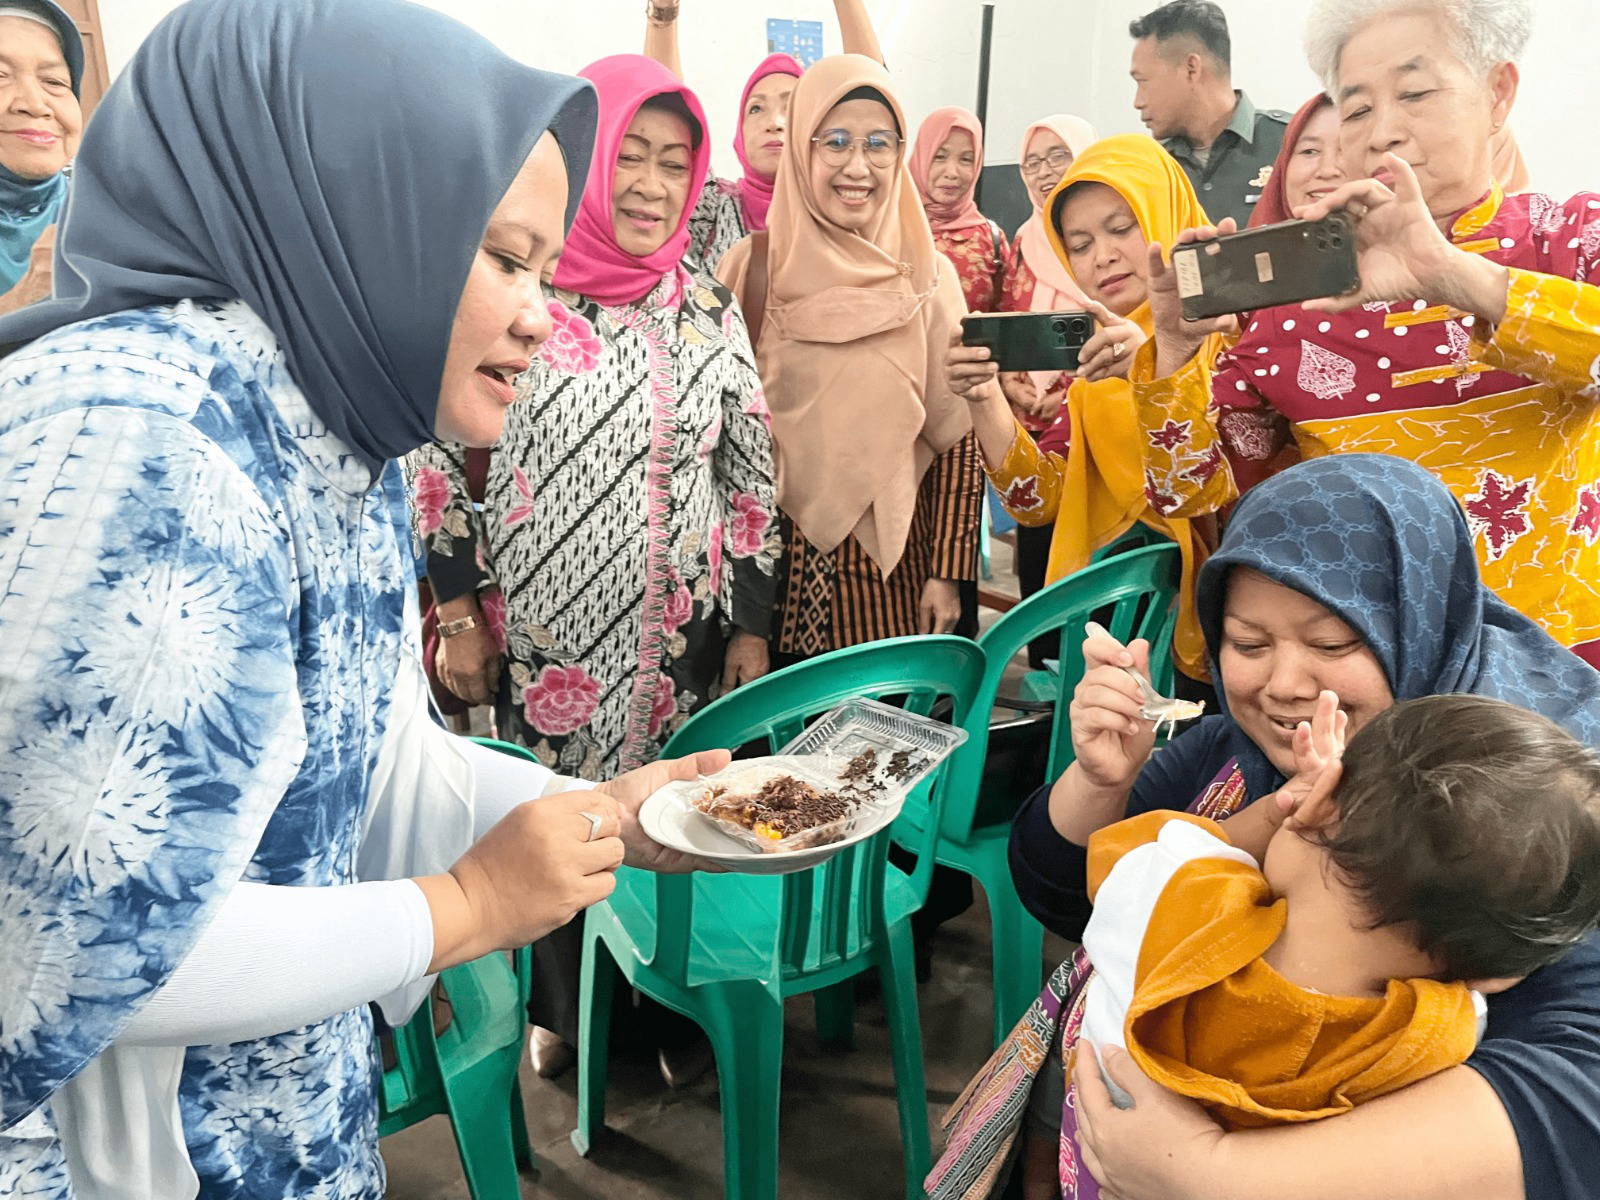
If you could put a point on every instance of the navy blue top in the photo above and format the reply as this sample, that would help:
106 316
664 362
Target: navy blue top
1383 544
1541 1053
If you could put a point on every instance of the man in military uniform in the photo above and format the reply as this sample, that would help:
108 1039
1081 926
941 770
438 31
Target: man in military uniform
1185 95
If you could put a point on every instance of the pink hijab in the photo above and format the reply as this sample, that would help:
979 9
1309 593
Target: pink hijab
755 189
1056 289
593 264
962 212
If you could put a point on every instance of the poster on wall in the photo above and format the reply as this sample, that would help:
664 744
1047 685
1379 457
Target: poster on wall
802 39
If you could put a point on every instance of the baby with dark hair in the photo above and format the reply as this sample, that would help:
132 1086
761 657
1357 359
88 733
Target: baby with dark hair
1450 851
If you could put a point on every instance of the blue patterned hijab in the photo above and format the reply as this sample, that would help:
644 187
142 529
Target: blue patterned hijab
1383 544
333 164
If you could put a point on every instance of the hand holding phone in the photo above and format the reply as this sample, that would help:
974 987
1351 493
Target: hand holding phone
1402 253
1110 352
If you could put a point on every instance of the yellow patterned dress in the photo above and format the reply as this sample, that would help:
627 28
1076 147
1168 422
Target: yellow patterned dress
1507 417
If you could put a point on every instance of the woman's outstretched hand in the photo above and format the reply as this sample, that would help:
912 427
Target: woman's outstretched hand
631 790
541 865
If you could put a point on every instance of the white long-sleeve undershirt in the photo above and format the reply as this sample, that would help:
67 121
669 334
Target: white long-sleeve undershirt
278 958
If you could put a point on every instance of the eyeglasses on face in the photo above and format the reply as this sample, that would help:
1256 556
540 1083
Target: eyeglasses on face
1057 160
835 147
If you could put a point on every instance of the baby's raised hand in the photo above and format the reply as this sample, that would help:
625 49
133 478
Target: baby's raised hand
1318 759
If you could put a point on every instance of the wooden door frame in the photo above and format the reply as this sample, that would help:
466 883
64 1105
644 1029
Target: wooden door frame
96 74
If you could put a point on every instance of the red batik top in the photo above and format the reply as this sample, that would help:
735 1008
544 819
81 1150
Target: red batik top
1508 418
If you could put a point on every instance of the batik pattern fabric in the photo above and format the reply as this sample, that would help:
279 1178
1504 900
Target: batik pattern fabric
839 598
980 263
204 704
982 1126
628 525
1508 418
1017 296
716 223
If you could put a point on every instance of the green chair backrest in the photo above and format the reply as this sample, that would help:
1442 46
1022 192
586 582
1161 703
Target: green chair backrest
831 912
1138 536
1133 594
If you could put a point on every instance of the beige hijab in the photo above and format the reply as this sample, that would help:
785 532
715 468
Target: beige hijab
853 343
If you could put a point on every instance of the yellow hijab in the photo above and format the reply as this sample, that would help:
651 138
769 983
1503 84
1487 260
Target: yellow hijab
1103 491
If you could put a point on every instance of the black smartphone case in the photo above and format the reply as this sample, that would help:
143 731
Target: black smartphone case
1261 268
1043 341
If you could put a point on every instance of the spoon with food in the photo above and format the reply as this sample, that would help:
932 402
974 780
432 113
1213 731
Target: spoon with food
1163 710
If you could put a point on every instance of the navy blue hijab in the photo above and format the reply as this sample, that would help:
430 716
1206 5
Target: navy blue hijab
333 164
1383 544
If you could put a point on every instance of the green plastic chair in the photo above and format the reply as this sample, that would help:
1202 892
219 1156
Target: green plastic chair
726 950
1139 587
469 1072
1137 537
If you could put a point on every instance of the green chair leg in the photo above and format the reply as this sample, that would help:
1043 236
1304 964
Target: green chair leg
836 1014
746 1031
483 1131
905 1038
595 988
1018 956
519 1130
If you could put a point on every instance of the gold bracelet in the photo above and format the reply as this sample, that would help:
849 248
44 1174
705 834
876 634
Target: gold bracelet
660 14
448 629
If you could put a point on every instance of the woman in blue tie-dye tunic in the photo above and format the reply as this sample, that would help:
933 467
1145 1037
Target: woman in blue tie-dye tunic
226 820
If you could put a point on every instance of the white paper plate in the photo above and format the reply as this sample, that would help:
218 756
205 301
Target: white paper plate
669 816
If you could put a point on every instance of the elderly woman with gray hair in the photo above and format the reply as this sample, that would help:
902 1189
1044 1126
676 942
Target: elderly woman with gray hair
1472 345
1473 348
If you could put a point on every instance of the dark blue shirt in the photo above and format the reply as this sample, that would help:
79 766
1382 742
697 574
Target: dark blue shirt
1541 1052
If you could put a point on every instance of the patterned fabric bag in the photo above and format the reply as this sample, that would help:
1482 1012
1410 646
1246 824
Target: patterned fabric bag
982 1127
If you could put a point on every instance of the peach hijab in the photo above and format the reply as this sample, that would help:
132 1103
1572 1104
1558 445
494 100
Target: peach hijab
853 342
1056 288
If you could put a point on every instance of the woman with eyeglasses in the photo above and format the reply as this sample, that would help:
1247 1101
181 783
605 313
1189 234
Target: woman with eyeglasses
1036 281
879 481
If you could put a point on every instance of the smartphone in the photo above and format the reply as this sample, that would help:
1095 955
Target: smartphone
1042 341
1262 268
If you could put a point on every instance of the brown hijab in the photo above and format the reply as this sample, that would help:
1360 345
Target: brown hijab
853 342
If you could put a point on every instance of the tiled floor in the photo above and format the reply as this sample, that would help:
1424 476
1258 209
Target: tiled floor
839 1132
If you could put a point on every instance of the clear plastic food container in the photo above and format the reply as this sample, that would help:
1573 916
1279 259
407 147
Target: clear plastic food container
851 769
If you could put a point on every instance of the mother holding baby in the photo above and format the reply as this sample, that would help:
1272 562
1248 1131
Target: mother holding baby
1353 574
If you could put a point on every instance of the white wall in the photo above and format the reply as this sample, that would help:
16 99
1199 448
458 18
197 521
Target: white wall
1050 56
